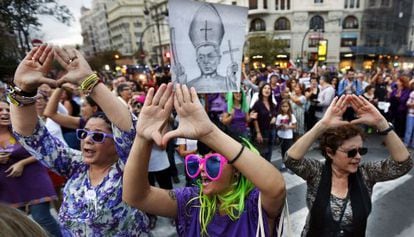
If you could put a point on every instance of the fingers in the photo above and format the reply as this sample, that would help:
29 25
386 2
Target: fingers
186 94
178 95
46 53
158 95
171 134
149 97
60 56
31 54
71 54
194 96
47 59
36 56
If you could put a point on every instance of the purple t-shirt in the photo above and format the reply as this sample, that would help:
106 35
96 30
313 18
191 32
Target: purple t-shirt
188 223
32 187
238 123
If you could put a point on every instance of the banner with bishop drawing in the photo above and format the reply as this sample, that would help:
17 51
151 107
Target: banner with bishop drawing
207 44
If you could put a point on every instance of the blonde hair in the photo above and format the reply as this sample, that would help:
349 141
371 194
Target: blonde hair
13 223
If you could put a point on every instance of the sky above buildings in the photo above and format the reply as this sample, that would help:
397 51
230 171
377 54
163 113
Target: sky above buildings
57 33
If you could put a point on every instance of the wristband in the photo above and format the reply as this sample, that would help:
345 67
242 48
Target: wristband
387 130
20 100
89 83
237 156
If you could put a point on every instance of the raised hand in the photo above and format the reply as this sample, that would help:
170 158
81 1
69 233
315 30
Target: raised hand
194 121
30 73
333 115
155 113
74 63
365 111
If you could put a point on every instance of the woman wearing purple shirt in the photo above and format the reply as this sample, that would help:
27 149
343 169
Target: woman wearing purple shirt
236 115
225 202
398 109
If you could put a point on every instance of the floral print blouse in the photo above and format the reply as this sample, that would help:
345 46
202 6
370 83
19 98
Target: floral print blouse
88 210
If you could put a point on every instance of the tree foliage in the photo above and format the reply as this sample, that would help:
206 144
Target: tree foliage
101 59
21 16
266 46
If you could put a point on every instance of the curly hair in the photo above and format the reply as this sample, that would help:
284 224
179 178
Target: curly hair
335 137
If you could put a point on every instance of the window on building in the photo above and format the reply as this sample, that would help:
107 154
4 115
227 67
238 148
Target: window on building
348 42
283 42
257 25
372 3
317 23
346 4
357 3
265 4
277 4
288 4
252 4
385 3
351 3
318 1
350 22
282 4
282 24
313 42
234 3
373 41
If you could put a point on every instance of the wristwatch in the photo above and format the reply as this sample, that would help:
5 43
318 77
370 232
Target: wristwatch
387 130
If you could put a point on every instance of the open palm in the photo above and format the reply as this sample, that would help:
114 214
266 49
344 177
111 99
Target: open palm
155 113
194 122
74 63
333 115
365 111
30 73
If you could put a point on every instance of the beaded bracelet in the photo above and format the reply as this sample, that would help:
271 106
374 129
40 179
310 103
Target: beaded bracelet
89 83
20 100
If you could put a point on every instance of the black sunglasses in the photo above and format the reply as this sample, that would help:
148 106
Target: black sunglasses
352 153
97 137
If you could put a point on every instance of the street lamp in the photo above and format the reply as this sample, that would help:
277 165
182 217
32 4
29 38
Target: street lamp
141 44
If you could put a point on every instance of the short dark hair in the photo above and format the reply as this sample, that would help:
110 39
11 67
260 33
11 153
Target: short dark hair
102 116
335 137
121 87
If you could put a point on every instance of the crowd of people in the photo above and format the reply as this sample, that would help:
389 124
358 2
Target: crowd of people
102 150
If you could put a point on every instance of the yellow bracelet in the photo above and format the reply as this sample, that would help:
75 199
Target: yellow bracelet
89 83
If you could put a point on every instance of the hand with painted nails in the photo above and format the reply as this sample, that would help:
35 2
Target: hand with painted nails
333 115
30 73
74 63
155 113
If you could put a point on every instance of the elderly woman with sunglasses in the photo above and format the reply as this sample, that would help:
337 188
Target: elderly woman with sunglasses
340 189
225 203
92 202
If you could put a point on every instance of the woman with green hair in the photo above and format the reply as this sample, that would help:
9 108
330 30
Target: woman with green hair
237 115
234 182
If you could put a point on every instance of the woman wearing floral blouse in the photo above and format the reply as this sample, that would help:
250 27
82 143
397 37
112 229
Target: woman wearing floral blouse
339 189
92 204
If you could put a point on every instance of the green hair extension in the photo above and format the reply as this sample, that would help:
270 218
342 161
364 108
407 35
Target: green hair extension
232 202
230 102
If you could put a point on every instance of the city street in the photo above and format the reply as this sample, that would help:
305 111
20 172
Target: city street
393 209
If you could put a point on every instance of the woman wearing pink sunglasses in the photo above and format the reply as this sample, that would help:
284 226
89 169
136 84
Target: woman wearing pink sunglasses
225 203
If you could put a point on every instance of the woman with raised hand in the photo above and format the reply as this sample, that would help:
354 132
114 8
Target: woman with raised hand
340 189
225 202
92 204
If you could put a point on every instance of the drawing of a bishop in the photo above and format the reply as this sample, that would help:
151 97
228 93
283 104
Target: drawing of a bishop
206 34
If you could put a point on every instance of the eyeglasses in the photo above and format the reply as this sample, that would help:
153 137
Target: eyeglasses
98 137
213 165
352 153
